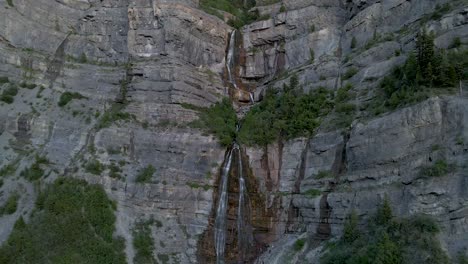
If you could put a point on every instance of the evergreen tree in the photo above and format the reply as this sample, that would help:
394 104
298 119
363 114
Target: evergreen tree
387 251
351 232
426 53
384 213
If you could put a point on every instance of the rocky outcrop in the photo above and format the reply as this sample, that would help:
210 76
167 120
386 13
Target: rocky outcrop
142 67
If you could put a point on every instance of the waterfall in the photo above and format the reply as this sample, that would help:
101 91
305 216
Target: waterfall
220 221
244 233
252 100
230 58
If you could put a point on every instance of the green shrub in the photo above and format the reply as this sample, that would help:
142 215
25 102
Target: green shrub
33 173
94 167
324 174
10 3
344 111
440 10
4 80
27 85
10 205
114 114
440 168
73 222
312 28
350 73
1 183
312 55
8 170
66 97
146 174
220 120
282 8
8 95
345 108
299 244
114 171
195 185
143 243
39 93
312 193
12 90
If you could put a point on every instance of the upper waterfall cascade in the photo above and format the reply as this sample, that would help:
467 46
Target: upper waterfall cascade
230 58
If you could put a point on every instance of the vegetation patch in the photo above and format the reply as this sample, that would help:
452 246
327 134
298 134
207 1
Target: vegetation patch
285 115
299 244
387 239
350 73
66 97
10 206
146 174
114 171
8 170
8 95
73 222
26 85
143 243
427 72
195 185
4 80
114 114
324 174
238 8
378 38
345 111
220 120
440 168
94 167
439 11
312 193
33 173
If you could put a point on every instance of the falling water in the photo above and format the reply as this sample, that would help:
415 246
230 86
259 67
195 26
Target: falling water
252 100
220 221
230 58
244 233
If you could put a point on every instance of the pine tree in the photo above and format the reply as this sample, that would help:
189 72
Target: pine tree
384 213
351 232
387 251
293 82
426 53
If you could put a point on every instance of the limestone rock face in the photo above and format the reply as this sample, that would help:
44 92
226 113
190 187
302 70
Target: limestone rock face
143 67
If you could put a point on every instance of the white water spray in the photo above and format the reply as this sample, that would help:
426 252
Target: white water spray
220 221
230 58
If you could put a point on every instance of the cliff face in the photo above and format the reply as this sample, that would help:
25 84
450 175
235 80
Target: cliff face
138 65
